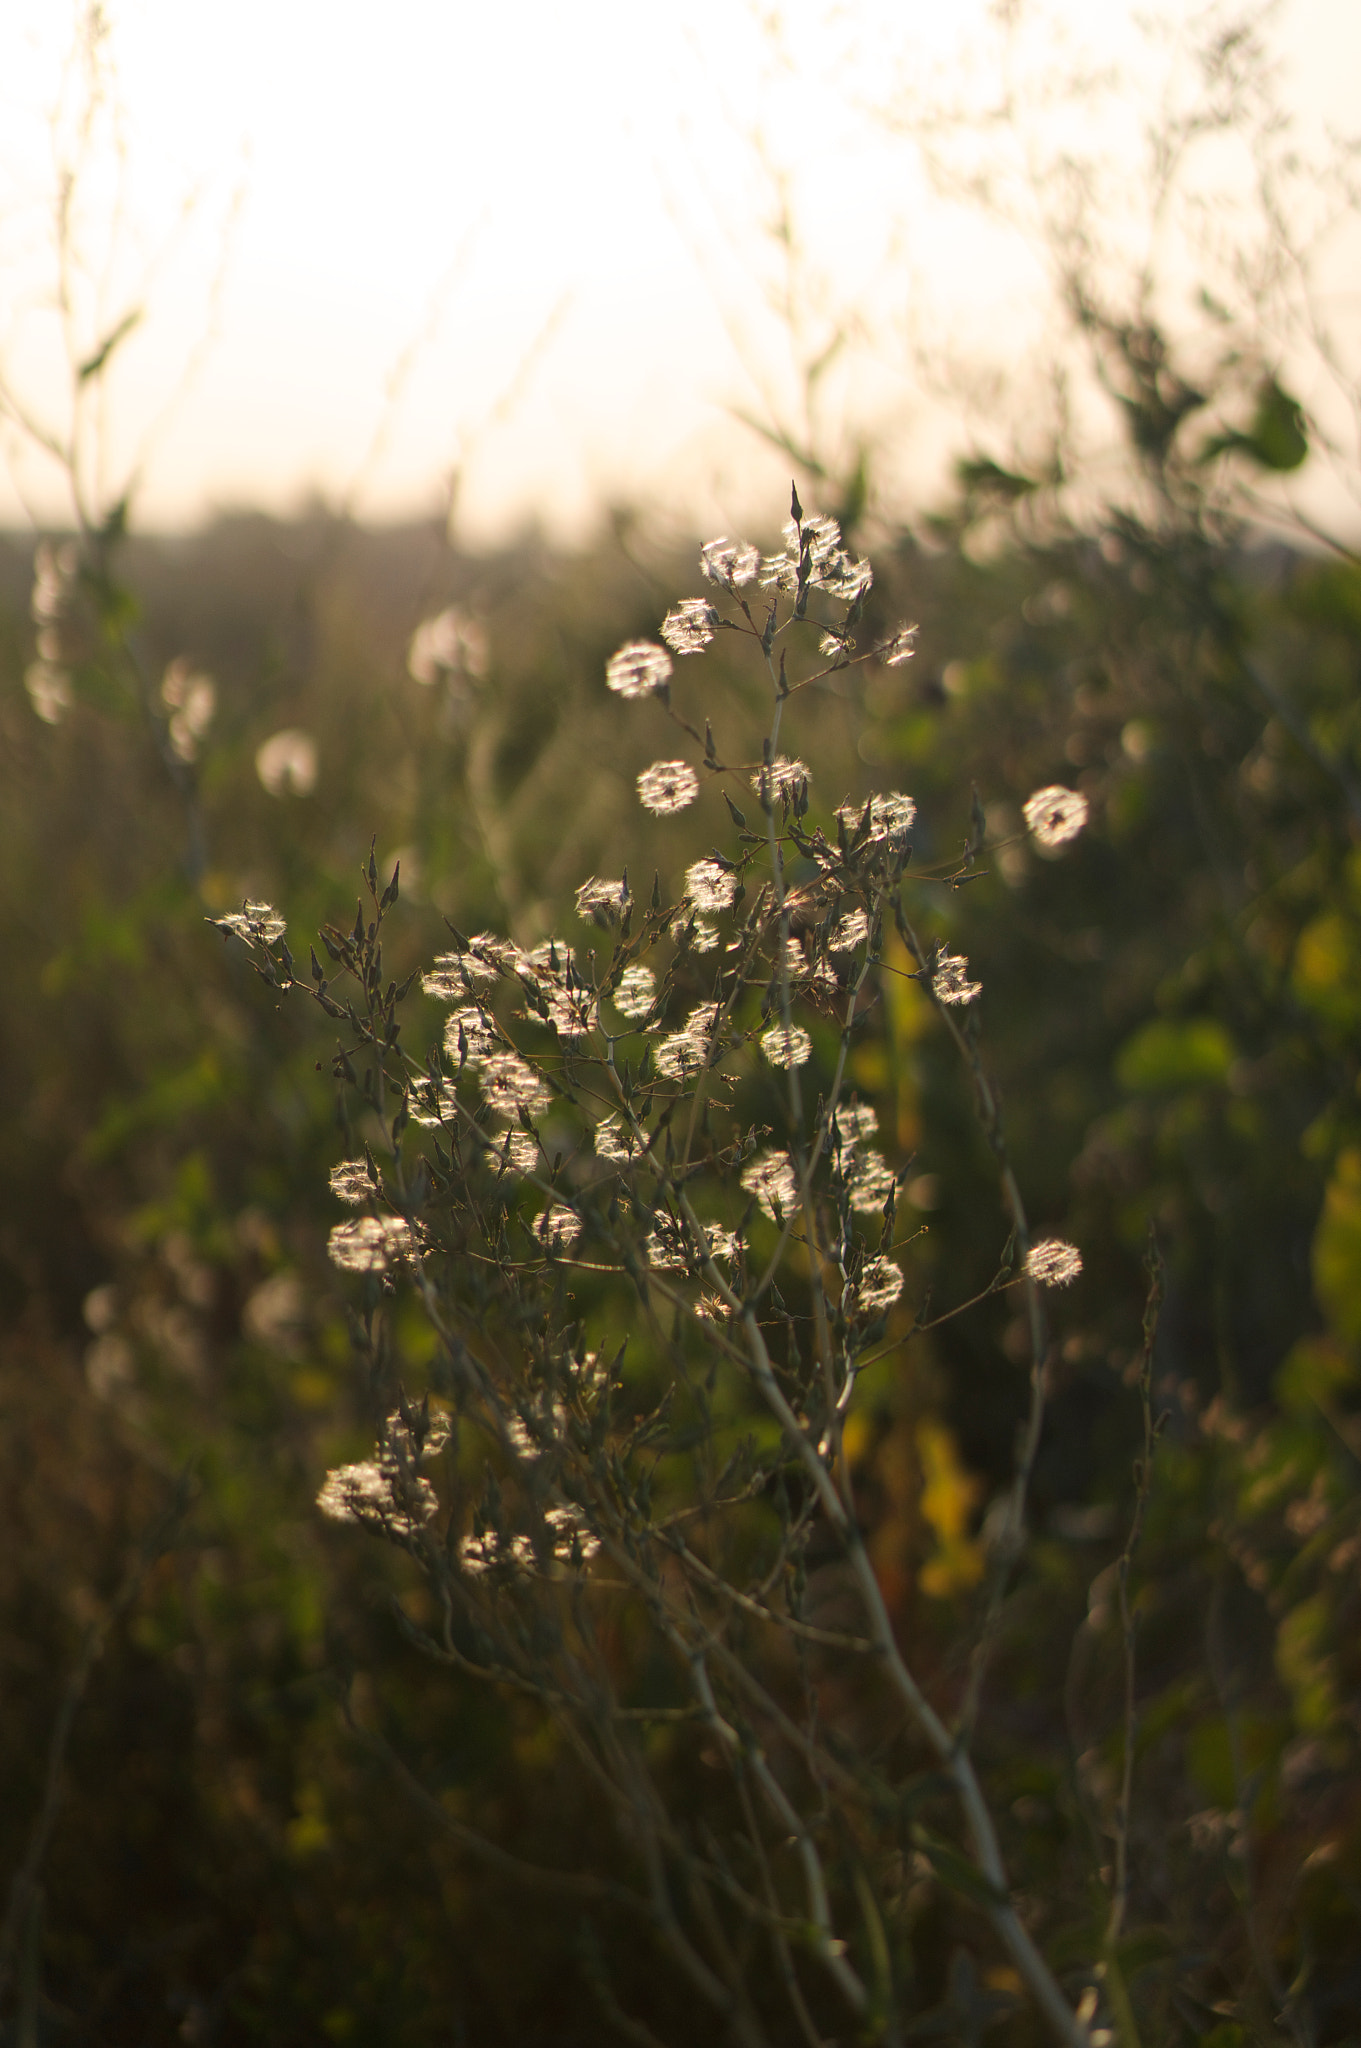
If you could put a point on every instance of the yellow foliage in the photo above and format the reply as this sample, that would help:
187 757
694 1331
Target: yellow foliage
1337 1248
949 1497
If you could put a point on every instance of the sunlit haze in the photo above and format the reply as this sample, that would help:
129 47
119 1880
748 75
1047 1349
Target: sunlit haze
528 246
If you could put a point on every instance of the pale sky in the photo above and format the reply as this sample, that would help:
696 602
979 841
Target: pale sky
529 242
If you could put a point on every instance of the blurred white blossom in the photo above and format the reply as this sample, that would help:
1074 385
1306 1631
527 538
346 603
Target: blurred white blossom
370 1244
287 763
639 669
49 690
191 699
452 643
1055 815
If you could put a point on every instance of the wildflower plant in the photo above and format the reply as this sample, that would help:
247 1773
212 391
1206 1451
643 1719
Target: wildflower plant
630 1189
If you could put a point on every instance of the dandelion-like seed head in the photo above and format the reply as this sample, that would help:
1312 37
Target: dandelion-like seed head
690 625
549 959
876 1287
703 935
601 902
892 817
1055 815
770 1178
350 1182
1053 1262
636 993
519 1151
845 576
870 1180
852 931
794 961
252 922
781 780
445 980
510 1085
712 1312
821 537
710 886
639 669
613 1142
489 1552
733 563
570 1012
857 1123
468 1036
667 787
572 1538
681 1055
558 1227
951 981
816 550
488 957
900 648
690 1049
420 1444
367 1494
779 572
370 1244
787 1046
667 1249
430 1104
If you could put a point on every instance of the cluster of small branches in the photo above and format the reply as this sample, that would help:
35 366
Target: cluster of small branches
656 1258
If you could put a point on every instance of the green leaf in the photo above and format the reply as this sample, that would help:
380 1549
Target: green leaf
1278 438
1168 1053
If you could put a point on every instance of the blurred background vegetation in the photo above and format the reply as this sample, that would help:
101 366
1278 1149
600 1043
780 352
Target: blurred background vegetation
1171 1009
201 1832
